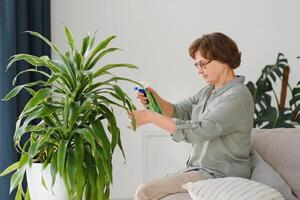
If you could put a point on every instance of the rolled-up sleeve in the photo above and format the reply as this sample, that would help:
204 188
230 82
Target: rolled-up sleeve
221 120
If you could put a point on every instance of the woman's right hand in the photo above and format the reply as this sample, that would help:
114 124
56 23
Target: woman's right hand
142 97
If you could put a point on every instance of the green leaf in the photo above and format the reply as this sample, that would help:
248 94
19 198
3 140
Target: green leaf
103 53
31 59
90 75
53 46
16 179
80 175
53 77
23 160
122 150
98 48
73 113
65 73
53 168
101 136
91 171
107 101
15 91
47 145
79 148
111 66
120 93
79 58
33 149
115 137
71 168
30 70
107 82
100 179
66 112
10 169
80 181
37 99
85 45
37 112
19 193
27 195
43 182
30 91
70 38
85 133
61 156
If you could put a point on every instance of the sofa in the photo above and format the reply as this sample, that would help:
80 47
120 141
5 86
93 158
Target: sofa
280 148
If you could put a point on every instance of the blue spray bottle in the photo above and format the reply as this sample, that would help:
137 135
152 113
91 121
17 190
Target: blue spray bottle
151 101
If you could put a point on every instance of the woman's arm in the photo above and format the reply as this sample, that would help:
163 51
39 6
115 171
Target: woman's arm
145 116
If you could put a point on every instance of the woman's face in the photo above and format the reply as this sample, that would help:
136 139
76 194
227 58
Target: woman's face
210 70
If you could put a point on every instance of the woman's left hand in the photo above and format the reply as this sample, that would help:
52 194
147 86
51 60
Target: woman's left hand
142 117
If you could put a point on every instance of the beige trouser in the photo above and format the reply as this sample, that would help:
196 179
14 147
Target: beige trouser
162 187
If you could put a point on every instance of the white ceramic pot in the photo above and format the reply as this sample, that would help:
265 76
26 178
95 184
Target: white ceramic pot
37 190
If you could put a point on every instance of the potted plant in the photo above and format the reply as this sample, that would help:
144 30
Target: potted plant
269 116
77 130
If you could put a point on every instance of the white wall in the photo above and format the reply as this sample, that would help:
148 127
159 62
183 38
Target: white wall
155 36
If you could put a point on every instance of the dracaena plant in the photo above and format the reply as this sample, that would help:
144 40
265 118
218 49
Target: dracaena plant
269 116
76 131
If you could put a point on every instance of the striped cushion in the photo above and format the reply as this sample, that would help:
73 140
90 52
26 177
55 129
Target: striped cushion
231 188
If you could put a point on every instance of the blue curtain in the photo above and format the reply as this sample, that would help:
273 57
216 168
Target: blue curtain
17 16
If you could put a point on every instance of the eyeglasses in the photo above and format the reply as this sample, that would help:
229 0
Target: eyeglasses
201 64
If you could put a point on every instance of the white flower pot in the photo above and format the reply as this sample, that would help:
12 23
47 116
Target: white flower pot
38 191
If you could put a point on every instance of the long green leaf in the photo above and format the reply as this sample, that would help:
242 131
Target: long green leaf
53 168
91 171
43 182
70 38
30 70
108 82
15 91
31 59
73 113
37 99
10 169
19 193
101 55
98 48
120 93
23 160
37 112
80 176
111 66
100 179
66 113
101 136
61 156
52 45
71 169
85 133
16 179
27 195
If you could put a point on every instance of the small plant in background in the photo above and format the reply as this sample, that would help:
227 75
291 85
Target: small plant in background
266 115
77 130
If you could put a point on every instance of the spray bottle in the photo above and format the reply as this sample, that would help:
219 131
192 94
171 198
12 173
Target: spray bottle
151 101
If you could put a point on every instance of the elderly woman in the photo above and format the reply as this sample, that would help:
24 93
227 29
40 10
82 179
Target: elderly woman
217 120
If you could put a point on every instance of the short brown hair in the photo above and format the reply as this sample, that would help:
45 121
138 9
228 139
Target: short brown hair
217 46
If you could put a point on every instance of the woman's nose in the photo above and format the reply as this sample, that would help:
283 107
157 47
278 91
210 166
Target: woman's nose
200 70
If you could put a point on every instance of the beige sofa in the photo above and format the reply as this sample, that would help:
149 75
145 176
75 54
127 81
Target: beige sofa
280 148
